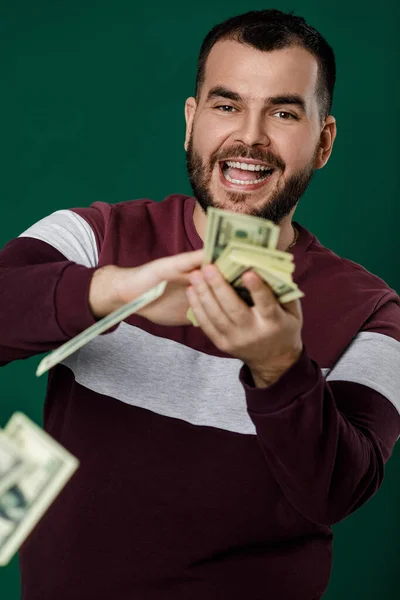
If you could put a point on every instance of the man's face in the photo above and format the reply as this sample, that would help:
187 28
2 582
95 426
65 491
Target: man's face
258 109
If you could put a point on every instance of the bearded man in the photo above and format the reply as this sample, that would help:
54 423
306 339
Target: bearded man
213 460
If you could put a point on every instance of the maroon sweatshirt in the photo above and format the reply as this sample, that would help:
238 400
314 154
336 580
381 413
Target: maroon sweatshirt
193 483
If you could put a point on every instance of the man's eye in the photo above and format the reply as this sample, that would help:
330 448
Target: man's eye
285 115
222 108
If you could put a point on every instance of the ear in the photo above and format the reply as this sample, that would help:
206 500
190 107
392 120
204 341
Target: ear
190 110
327 137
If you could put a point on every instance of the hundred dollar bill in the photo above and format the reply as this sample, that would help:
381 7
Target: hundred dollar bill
224 226
24 503
281 283
93 331
238 262
259 237
232 270
257 256
284 290
13 463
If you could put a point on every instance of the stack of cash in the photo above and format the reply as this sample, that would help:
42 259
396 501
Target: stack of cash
33 470
236 243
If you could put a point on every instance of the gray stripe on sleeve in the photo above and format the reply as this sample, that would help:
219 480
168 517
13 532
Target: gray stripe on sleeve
372 359
68 233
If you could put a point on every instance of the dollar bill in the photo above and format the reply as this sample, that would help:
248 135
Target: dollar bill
281 283
24 503
13 463
284 290
233 266
236 243
254 256
224 226
102 325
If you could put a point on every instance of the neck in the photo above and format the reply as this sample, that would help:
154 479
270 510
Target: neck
286 235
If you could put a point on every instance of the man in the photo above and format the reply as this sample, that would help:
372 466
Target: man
214 460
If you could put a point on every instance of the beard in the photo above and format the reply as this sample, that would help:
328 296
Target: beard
276 208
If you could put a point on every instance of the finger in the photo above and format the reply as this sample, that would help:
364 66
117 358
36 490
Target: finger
174 269
186 261
201 317
214 309
262 294
179 265
233 306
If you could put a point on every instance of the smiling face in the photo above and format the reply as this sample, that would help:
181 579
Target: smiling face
255 137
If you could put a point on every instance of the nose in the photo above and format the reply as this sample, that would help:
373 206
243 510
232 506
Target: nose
253 130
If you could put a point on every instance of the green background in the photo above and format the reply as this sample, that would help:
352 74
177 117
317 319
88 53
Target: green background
91 105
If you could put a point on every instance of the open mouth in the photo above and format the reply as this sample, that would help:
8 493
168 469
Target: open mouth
244 175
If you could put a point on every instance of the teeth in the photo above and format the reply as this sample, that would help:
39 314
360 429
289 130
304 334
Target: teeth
231 180
246 166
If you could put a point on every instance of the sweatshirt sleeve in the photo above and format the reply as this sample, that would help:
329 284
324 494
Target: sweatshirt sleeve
326 439
45 276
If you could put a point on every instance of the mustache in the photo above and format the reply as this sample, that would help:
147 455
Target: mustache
246 152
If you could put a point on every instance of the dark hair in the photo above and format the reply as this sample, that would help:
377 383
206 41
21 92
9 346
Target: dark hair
269 30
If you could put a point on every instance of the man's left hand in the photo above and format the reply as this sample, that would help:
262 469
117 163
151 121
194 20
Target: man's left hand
266 336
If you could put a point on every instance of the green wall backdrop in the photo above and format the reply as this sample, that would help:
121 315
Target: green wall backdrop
91 108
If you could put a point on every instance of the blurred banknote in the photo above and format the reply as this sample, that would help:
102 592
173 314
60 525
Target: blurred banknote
48 468
12 462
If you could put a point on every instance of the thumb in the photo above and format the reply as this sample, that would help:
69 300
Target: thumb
177 267
180 263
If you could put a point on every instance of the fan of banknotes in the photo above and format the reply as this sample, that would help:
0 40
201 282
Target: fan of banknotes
33 470
235 243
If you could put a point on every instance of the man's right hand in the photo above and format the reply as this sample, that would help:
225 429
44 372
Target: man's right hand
112 287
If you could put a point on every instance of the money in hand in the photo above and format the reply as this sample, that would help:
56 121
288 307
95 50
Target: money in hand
93 331
48 468
238 243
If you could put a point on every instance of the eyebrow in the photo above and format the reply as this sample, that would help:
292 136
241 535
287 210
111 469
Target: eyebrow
220 91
